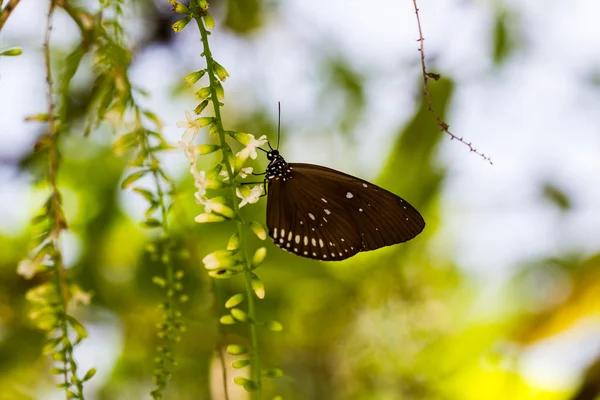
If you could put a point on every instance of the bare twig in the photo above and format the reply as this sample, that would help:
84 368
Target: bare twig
6 11
426 75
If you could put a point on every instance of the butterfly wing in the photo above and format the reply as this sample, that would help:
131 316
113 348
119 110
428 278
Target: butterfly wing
328 215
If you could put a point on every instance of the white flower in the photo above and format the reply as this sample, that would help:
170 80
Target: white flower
28 268
248 196
200 182
244 172
79 297
251 145
192 127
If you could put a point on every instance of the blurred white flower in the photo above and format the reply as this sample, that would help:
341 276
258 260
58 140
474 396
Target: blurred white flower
28 268
192 127
79 297
244 172
251 145
248 196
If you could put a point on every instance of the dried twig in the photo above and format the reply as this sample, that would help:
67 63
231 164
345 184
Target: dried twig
426 75
7 10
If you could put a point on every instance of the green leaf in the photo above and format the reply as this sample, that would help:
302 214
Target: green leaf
50 345
200 107
159 281
204 121
247 384
78 328
148 195
213 130
235 300
12 52
57 371
194 77
240 363
274 326
259 230
221 72
234 242
219 90
89 375
240 315
203 93
125 142
223 273
272 372
236 349
259 257
150 223
132 178
227 320
154 118
179 25
257 286
209 22
204 149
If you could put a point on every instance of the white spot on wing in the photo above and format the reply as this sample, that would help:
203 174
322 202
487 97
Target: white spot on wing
364 185
321 243
360 209
311 216
305 253
349 195
280 240
313 242
282 233
290 236
324 201
327 212
306 240
297 238
275 233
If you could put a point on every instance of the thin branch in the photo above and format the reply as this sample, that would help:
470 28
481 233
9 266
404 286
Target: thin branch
426 75
55 208
7 10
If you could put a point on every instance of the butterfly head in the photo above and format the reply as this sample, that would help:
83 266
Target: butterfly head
273 155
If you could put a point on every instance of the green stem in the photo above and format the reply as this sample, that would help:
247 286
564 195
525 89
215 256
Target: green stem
255 359
58 217
165 259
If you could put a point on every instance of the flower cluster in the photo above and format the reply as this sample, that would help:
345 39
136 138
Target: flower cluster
231 261
214 208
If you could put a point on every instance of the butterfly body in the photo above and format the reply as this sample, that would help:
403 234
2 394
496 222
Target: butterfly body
320 213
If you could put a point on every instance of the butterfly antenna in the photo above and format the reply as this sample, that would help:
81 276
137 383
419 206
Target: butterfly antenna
278 123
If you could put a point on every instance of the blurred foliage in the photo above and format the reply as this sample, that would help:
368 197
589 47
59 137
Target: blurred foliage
398 323
504 36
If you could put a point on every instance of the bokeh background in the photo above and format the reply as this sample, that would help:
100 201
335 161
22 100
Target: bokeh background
499 298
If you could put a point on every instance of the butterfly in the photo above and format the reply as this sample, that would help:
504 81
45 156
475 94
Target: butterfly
320 213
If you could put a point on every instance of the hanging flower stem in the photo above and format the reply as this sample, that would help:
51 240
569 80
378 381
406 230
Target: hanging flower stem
255 363
58 331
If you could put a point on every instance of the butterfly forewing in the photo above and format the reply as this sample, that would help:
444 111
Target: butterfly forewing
328 215
299 224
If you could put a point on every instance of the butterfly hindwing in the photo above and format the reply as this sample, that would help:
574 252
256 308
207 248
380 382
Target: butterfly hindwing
328 215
